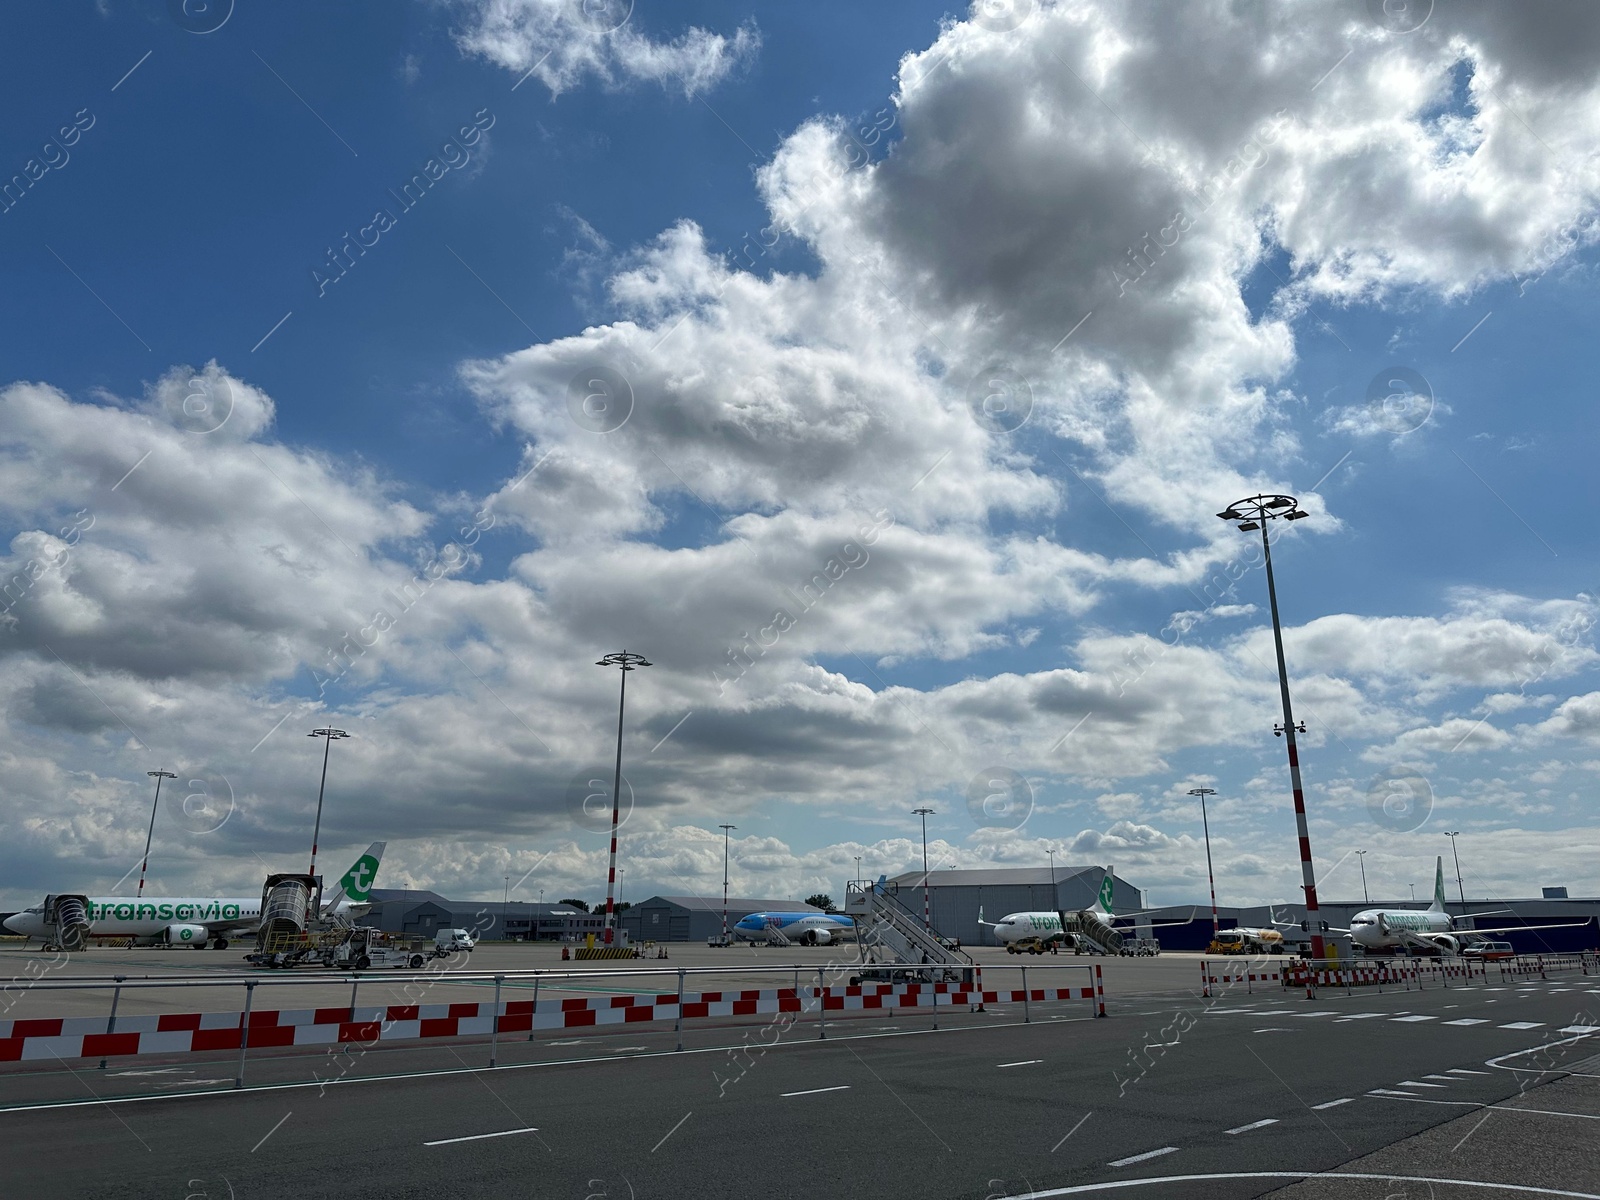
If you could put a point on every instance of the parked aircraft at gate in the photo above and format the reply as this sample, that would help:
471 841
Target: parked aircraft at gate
1432 929
811 928
199 920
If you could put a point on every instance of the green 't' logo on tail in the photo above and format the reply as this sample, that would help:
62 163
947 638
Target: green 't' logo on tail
357 881
1107 890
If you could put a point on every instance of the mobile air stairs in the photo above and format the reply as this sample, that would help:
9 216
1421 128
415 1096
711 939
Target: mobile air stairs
891 934
1093 930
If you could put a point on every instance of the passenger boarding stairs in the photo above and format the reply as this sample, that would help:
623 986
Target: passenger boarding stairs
889 932
1086 925
776 936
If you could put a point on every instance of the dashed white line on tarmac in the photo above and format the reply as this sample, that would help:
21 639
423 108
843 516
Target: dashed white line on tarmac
1388 1092
1464 1071
478 1137
1469 1021
1131 1159
1253 1125
843 1087
1580 1029
1524 1025
1417 1083
1332 1103
1417 1017
1027 1062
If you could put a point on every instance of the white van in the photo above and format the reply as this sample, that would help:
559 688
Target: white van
448 940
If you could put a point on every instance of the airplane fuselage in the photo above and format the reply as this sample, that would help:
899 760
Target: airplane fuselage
1390 928
796 926
123 916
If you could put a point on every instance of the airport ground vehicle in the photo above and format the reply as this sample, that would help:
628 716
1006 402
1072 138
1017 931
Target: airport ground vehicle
1030 945
447 941
1141 947
1489 951
1246 941
362 948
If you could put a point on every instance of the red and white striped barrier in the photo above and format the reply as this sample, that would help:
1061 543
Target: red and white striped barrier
1248 978
181 1033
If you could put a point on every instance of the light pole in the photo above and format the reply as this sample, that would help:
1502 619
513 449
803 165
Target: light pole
927 912
505 903
329 735
1203 792
1461 887
1413 893
150 833
725 829
1361 857
625 662
1254 513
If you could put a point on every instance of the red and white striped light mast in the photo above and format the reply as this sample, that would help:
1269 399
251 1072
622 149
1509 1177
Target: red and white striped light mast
626 662
1253 513
927 912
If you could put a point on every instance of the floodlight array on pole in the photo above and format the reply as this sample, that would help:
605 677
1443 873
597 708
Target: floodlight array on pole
329 735
1253 513
625 662
1453 834
725 829
150 833
927 911
1203 792
1361 857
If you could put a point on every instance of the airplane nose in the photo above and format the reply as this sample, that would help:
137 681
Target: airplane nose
9 927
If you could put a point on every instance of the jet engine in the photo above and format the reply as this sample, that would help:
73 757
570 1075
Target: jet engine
187 935
818 937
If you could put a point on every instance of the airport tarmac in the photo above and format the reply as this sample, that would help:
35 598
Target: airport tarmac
1489 1090
32 976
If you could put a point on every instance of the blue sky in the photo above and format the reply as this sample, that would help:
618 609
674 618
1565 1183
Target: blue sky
606 207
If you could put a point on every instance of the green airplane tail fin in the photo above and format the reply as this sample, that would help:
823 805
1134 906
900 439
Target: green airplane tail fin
1438 884
356 883
1108 887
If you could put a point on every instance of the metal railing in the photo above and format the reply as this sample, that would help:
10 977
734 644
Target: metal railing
810 990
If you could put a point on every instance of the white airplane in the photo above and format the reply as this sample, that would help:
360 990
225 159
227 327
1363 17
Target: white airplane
197 920
1045 926
808 928
1432 929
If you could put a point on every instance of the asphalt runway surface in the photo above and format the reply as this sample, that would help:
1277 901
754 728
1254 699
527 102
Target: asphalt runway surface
33 974
1478 1091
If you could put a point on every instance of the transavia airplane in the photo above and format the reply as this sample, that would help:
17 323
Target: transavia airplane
809 928
1046 926
1432 929
197 920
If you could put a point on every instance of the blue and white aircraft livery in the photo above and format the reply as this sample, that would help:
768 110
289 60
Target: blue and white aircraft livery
808 928
199 920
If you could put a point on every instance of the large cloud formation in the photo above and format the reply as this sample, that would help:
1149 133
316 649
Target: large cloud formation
786 483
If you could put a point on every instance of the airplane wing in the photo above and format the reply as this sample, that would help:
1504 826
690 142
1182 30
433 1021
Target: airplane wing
1296 925
1526 928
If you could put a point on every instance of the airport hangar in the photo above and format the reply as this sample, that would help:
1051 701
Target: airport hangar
658 919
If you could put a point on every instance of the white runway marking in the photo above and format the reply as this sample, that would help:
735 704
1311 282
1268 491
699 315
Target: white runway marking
1361 1016
1123 1162
1524 1025
1332 1103
1120 1184
1252 1125
1580 1029
843 1087
478 1137
1418 1017
1417 1083
1469 1021
1388 1092
1464 1071
1027 1062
